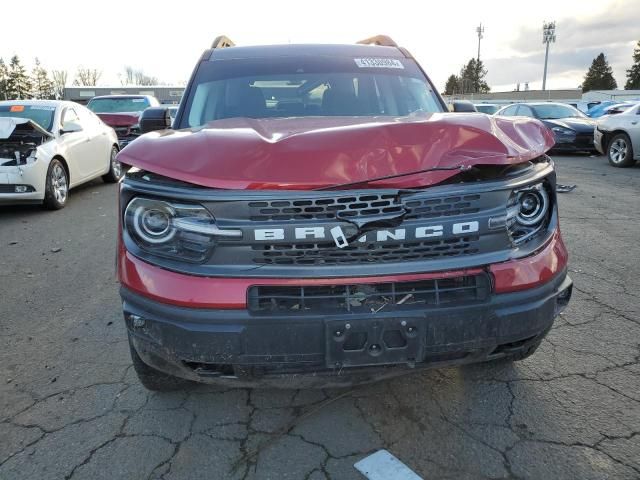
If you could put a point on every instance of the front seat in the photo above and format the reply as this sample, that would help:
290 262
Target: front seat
243 100
340 101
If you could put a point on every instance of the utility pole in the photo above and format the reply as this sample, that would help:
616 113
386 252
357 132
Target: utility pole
548 37
480 32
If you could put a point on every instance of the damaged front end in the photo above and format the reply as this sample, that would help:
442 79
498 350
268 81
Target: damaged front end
21 143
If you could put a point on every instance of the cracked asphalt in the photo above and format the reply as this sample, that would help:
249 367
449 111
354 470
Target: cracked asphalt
72 408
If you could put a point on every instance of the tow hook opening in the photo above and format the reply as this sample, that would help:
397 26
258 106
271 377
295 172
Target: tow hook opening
222 370
512 347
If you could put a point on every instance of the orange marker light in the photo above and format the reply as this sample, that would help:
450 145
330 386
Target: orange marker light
16 108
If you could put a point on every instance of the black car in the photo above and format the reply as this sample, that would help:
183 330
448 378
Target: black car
572 129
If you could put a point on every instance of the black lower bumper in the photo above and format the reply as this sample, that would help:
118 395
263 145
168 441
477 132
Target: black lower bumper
239 348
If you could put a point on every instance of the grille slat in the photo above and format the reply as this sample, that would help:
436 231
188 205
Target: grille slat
361 298
361 206
329 254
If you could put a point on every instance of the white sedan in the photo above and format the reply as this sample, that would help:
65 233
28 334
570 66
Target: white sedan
50 146
618 137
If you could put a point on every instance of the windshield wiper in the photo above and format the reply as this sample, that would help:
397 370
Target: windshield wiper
461 168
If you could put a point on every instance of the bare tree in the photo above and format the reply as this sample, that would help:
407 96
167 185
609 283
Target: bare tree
59 82
129 74
142 79
87 77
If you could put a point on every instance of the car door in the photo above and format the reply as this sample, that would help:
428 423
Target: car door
77 147
99 141
633 129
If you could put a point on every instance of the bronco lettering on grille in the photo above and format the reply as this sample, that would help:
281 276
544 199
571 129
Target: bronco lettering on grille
307 233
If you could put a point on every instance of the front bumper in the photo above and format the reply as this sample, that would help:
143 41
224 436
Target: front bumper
238 348
598 141
577 143
32 174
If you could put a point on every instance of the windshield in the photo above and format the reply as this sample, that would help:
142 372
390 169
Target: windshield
307 86
552 112
118 105
42 115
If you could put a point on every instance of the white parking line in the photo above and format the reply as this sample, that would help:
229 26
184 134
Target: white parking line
384 466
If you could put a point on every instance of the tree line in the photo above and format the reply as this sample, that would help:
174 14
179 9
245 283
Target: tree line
599 76
17 83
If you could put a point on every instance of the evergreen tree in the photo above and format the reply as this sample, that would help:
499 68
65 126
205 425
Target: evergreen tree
599 76
633 74
42 84
4 76
472 77
18 82
451 86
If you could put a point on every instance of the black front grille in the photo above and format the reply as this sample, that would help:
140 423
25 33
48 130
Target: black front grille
360 205
368 298
358 253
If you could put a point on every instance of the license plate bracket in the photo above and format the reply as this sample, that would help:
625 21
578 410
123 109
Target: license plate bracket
379 341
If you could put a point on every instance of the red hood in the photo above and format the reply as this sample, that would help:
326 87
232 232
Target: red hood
119 119
313 152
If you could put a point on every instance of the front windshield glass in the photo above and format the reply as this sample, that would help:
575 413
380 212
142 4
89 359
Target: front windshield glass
40 114
307 86
552 112
118 105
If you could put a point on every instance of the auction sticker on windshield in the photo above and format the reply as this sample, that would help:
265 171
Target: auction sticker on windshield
378 63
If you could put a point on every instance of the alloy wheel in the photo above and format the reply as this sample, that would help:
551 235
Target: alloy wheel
59 184
116 166
618 150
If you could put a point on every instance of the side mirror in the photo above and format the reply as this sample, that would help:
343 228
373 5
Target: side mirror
155 118
70 127
463 106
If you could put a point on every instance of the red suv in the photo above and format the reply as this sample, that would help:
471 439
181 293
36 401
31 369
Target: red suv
316 217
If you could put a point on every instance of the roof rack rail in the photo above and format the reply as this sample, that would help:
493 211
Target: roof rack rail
382 40
222 41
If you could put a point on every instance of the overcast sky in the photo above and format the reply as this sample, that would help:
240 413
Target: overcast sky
166 38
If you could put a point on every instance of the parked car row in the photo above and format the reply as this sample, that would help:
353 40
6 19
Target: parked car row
610 128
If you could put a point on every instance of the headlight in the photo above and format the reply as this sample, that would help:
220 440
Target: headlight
563 131
528 212
173 230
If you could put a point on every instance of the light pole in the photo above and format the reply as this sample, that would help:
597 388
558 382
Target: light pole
548 36
480 32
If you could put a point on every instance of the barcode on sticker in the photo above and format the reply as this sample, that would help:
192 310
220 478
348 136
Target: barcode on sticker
378 63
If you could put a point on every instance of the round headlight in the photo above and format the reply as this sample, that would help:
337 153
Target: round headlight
153 225
533 206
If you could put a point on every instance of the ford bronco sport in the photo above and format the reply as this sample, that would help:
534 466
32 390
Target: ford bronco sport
316 217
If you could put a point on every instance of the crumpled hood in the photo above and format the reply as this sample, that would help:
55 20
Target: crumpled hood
119 119
314 152
10 124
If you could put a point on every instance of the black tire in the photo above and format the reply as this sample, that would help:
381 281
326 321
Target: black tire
153 379
115 168
56 189
620 151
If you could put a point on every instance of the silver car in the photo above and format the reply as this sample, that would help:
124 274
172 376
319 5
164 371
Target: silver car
618 137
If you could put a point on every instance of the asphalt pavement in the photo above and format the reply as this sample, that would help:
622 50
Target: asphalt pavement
71 406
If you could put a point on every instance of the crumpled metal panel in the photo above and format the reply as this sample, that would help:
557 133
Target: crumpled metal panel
314 152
